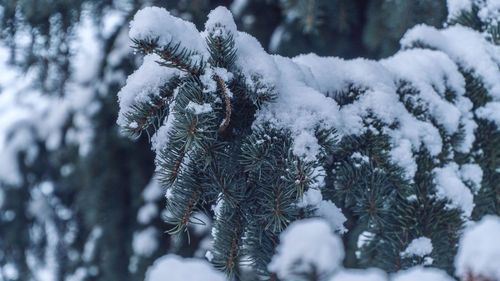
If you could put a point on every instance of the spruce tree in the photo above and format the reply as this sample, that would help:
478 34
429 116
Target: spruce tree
393 154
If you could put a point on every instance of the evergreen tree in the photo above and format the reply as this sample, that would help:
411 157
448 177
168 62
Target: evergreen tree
260 141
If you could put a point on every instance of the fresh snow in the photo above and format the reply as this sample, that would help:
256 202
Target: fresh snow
325 209
479 250
306 245
450 187
472 174
220 22
334 75
432 73
490 111
419 247
158 23
176 268
465 46
144 83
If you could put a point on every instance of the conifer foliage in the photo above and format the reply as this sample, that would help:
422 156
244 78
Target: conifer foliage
394 155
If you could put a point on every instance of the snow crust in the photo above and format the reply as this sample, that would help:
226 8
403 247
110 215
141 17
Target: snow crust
176 268
479 250
307 244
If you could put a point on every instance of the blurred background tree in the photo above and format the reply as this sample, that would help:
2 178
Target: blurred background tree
77 199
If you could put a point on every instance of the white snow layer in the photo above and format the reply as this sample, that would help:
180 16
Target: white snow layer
158 23
418 247
306 245
465 46
334 75
325 209
449 186
175 268
471 51
479 250
473 175
220 22
141 85
490 111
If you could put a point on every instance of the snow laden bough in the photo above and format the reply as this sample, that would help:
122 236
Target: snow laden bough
204 98
391 148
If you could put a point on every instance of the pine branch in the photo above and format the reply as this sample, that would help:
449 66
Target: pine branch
227 243
222 49
183 197
149 113
172 54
